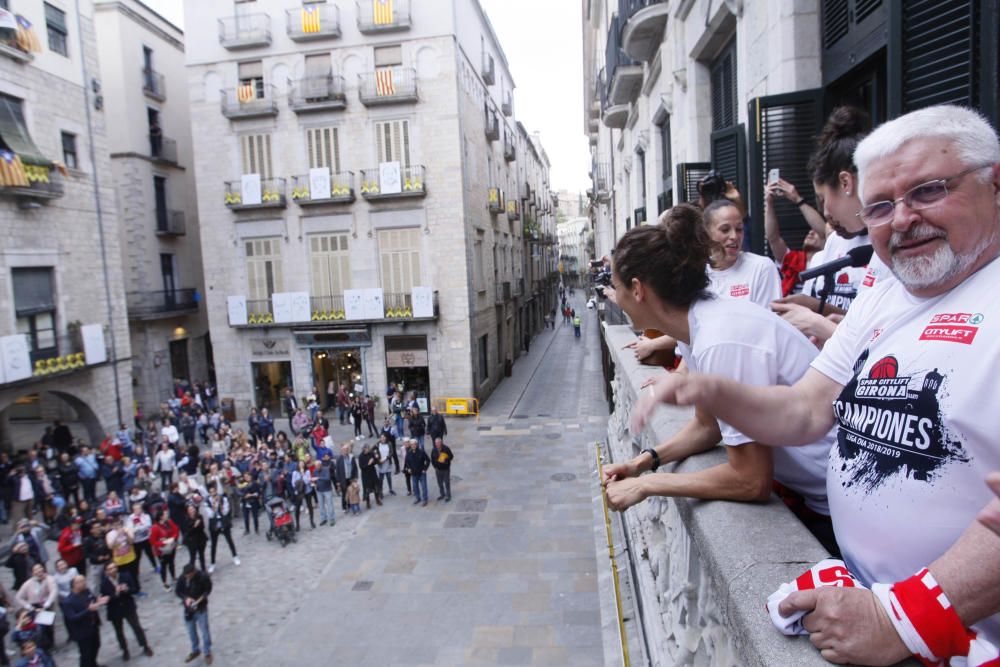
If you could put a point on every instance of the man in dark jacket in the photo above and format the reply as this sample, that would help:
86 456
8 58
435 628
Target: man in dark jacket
193 588
416 463
436 426
418 427
119 588
345 469
80 611
441 458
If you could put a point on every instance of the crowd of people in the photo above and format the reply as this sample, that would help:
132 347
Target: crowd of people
181 482
864 403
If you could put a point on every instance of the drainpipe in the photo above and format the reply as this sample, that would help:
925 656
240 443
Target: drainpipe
100 216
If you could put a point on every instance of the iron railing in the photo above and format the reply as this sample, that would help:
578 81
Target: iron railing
341 189
312 21
154 85
170 222
507 106
317 92
163 148
248 100
388 85
244 31
158 303
42 183
509 150
492 124
495 200
411 183
614 54
272 194
330 308
375 16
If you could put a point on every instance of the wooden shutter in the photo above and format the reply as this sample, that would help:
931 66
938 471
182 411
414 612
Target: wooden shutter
323 148
318 65
399 259
729 156
392 141
782 135
723 84
263 258
256 149
329 264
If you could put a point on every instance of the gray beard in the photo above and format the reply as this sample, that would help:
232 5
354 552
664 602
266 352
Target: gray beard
937 268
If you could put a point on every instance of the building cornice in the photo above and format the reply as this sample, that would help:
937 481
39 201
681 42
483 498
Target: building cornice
144 22
151 160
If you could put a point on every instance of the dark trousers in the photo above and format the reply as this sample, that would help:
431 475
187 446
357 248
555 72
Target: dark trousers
167 562
308 499
444 482
372 431
89 648
228 534
198 551
357 427
132 617
89 489
133 569
251 510
409 488
144 547
343 494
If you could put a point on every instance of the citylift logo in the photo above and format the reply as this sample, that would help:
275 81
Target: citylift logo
737 291
891 423
953 328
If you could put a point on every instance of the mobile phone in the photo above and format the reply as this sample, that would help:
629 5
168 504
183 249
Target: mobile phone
773 176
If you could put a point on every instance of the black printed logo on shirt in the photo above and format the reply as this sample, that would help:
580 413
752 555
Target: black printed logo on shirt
891 423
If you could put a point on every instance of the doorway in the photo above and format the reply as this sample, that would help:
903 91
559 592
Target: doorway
340 366
269 381
179 368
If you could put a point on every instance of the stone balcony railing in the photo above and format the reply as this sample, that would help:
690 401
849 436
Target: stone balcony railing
704 569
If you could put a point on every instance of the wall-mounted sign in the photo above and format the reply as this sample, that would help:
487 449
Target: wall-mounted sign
406 358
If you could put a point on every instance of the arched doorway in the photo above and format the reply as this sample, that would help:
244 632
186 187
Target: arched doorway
23 420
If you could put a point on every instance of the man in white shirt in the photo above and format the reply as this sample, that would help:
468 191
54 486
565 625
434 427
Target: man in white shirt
170 431
910 378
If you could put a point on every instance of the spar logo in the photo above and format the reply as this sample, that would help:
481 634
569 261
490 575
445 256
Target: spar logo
953 328
737 291
870 277
883 382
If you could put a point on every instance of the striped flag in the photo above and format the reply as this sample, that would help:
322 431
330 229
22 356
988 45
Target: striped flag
310 20
27 40
245 92
384 86
12 171
382 12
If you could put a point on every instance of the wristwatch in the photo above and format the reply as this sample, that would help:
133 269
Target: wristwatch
653 455
801 202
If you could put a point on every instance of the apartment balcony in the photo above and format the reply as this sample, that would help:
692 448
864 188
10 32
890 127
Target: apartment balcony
507 106
341 190
377 16
489 70
312 22
163 149
249 100
495 200
388 85
154 85
518 287
645 22
317 93
170 223
271 195
513 210
259 311
492 124
624 73
409 184
63 356
245 31
31 184
509 149
17 48
504 292
397 307
601 175
154 305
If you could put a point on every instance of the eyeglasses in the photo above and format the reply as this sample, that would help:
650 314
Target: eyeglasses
920 197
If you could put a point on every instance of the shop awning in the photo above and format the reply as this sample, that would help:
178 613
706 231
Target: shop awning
14 134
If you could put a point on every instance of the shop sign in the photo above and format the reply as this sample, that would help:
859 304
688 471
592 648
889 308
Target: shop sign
406 358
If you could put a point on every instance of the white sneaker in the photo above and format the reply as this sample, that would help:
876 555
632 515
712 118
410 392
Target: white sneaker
211 568
236 560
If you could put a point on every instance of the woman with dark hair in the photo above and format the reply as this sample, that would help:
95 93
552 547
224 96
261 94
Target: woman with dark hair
728 337
195 538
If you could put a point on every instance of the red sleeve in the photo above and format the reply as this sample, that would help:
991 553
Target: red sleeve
792 265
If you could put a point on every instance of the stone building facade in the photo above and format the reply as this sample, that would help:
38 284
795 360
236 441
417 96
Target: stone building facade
63 328
370 210
146 99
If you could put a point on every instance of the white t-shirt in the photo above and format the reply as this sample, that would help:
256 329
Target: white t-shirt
752 277
847 281
763 350
171 432
876 273
918 427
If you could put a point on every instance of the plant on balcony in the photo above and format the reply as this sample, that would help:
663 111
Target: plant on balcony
262 318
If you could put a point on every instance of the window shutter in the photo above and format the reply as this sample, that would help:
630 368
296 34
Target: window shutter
322 148
729 158
251 70
688 175
399 259
263 259
34 291
392 141
405 148
257 154
782 135
851 32
318 65
723 83
336 150
940 53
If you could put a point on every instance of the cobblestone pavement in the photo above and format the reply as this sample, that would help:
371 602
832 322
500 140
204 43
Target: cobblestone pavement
502 575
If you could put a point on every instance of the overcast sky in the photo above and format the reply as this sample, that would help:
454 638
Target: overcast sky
542 42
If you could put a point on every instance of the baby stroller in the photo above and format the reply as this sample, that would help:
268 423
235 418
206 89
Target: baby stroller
282 523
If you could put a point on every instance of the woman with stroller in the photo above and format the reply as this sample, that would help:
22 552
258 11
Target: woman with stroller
302 489
195 538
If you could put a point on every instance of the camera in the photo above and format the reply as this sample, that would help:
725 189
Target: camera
712 186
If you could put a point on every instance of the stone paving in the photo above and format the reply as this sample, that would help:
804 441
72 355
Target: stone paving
505 574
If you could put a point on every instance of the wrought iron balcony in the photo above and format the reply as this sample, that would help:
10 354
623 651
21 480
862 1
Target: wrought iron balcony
376 16
259 311
494 198
513 210
601 175
245 31
170 223
503 292
492 124
272 195
322 309
61 355
509 150
411 184
317 93
162 148
388 85
313 21
249 100
29 183
341 190
624 73
645 22
154 85
327 308
153 305
507 107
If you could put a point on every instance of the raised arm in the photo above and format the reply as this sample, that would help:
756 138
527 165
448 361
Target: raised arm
771 229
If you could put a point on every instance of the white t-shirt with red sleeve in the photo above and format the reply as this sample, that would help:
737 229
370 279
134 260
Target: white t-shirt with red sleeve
761 350
918 418
752 277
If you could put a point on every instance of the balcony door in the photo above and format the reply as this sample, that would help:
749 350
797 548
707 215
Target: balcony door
35 309
160 198
167 270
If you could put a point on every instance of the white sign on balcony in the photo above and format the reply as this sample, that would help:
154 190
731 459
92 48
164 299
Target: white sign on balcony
319 183
354 304
16 357
423 301
250 189
237 306
7 20
94 349
290 307
374 304
390 178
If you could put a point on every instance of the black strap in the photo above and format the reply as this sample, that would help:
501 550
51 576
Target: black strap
653 455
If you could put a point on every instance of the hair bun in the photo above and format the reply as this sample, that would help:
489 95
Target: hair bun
843 123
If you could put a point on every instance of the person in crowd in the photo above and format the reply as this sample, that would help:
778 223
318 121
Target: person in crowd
436 425
904 498
140 525
441 458
389 431
64 576
70 545
368 463
343 404
383 460
219 517
792 262
418 426
113 505
80 609
416 463
32 655
95 548
62 437
40 593
195 538
193 588
113 474
119 588
163 537
69 479
169 430
123 552
369 414
291 405
250 492
88 469
345 469
302 490
354 497
331 395
25 493
396 410
324 489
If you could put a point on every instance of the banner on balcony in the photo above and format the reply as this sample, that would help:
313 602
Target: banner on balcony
319 183
26 37
12 173
291 307
237 306
374 304
390 178
250 189
382 12
423 301
15 358
384 86
310 20
94 349
354 304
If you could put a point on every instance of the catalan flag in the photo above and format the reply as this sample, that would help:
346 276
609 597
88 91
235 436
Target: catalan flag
384 86
12 171
27 40
310 20
382 12
246 92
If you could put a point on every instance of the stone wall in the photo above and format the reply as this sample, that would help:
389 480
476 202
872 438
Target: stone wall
704 568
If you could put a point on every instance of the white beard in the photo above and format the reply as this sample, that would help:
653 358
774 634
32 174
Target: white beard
936 268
